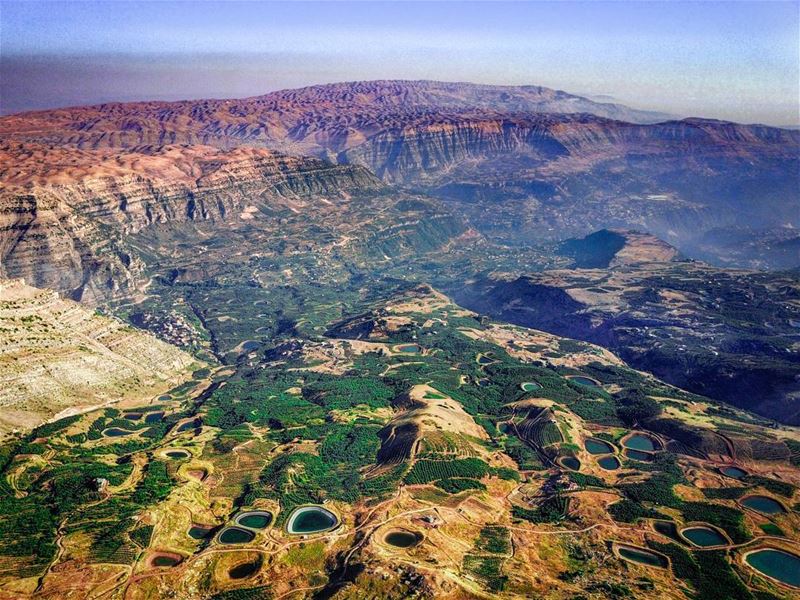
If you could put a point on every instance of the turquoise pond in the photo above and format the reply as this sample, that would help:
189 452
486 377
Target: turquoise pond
595 446
639 441
777 564
311 519
733 472
704 536
530 386
236 535
642 556
763 504
609 463
580 379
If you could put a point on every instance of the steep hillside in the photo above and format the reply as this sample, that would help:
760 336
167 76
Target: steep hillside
58 358
525 163
65 215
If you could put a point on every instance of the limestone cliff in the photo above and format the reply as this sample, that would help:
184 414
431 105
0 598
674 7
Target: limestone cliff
63 223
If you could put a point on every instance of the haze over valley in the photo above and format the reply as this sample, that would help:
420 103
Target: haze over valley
401 337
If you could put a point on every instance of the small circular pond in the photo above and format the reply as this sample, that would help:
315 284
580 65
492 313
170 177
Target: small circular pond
408 348
244 570
642 442
638 455
236 535
116 432
177 454
311 519
254 519
200 532
193 424
595 446
570 462
704 536
777 564
609 463
402 538
165 559
763 504
530 386
642 556
154 417
583 380
733 472
668 529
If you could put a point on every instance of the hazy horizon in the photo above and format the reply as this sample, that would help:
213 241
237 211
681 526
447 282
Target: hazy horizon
733 61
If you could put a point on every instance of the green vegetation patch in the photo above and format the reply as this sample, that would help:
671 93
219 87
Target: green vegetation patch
425 471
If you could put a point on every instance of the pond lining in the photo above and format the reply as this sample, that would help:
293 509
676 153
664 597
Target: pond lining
262 515
244 536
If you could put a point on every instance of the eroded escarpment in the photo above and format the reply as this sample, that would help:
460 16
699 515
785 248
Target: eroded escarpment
64 221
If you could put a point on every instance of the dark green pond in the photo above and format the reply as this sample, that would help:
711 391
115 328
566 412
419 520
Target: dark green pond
164 560
583 380
641 442
777 564
609 463
704 536
116 432
199 532
254 519
409 349
177 454
667 528
244 570
595 446
763 504
402 539
194 424
638 455
644 557
733 472
236 535
529 386
154 417
311 519
570 462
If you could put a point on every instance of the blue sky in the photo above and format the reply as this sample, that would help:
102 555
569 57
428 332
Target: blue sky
734 60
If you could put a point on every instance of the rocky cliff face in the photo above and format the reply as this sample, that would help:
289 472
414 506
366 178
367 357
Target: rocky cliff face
65 227
56 356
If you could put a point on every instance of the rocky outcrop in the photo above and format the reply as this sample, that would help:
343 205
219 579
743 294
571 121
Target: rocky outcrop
57 357
64 226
